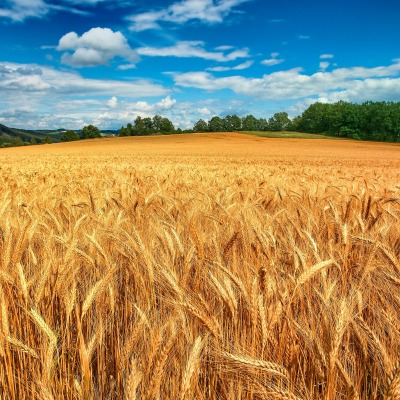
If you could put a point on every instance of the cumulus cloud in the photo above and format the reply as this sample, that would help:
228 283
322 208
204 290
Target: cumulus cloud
112 103
127 111
274 60
357 82
166 104
206 11
192 49
239 67
98 46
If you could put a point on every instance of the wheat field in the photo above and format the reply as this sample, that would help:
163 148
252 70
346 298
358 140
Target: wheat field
218 266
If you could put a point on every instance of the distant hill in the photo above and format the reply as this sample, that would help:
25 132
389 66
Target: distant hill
19 137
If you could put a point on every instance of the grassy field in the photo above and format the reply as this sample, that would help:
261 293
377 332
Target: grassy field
209 266
289 135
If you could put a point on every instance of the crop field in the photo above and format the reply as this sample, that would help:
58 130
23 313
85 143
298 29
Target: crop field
203 266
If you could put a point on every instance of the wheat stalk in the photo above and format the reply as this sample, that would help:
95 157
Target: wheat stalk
192 365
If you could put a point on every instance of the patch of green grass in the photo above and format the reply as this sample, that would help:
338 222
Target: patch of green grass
288 135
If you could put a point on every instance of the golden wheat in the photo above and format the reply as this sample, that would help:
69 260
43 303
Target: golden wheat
200 267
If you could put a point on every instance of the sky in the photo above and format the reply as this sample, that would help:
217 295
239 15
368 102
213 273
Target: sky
70 63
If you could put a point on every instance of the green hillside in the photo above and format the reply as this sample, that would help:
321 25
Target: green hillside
22 137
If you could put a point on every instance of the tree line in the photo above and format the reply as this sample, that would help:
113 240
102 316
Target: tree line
368 121
88 132
148 126
278 122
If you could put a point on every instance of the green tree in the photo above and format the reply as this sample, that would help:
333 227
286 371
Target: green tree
236 123
17 141
157 123
147 126
315 118
295 124
90 132
138 127
216 124
127 130
69 136
279 122
249 123
262 124
167 126
47 140
232 123
228 123
200 126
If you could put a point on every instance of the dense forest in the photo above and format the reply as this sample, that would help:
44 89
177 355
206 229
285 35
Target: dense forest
368 121
378 121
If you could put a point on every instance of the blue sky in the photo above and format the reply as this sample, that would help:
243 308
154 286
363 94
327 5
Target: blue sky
69 63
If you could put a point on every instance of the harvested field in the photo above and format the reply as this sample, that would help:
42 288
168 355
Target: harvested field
206 266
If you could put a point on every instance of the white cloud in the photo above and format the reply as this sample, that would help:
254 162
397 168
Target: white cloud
48 82
188 49
206 11
127 111
74 114
303 37
112 103
357 83
166 104
274 60
325 56
41 97
204 111
19 10
384 89
323 65
126 67
224 48
98 46
239 67
144 108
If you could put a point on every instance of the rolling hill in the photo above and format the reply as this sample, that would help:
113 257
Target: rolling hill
13 136
10 137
